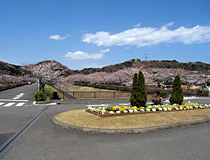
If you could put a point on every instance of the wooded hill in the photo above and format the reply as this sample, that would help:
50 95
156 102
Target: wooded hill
15 70
192 66
9 69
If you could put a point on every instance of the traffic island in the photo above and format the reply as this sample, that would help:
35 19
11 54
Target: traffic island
81 120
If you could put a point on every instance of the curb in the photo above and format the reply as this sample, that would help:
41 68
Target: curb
44 103
125 131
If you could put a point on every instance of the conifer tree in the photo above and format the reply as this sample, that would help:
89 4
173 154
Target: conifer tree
138 95
177 93
134 90
141 90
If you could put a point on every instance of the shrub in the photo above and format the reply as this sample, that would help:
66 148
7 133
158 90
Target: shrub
39 96
177 93
164 94
48 94
157 99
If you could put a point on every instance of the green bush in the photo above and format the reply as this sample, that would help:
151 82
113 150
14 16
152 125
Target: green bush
164 94
39 96
177 93
48 94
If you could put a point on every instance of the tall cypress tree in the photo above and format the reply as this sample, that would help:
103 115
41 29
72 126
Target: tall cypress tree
141 90
138 95
177 93
134 90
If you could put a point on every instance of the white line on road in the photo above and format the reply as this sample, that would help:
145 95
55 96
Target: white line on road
4 100
18 96
8 104
1 103
20 104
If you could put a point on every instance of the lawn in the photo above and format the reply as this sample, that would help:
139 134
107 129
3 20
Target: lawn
84 119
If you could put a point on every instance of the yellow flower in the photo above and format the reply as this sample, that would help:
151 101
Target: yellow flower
122 109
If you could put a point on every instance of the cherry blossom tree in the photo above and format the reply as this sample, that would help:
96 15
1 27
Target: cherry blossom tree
45 72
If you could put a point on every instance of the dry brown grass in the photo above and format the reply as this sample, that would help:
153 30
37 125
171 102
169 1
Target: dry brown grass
84 119
83 88
88 92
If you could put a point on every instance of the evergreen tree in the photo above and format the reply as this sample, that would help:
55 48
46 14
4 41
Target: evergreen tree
134 90
141 91
139 95
177 93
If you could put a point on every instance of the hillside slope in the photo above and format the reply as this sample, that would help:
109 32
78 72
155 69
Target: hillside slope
6 68
9 69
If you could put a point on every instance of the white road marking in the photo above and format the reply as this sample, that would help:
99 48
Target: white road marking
1 103
8 104
19 104
11 100
19 96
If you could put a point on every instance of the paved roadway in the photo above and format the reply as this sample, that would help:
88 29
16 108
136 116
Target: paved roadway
16 109
44 140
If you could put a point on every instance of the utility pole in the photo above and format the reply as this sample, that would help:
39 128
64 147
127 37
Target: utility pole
146 56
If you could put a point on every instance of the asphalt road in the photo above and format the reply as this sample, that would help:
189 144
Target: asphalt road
44 140
26 92
16 109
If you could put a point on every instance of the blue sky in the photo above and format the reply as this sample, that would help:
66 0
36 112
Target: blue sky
96 33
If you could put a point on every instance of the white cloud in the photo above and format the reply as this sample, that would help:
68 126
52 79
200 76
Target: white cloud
138 25
170 24
58 37
147 36
104 51
79 55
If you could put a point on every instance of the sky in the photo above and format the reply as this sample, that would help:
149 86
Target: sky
96 33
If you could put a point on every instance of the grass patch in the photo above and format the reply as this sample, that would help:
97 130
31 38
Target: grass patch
84 92
60 95
84 119
83 88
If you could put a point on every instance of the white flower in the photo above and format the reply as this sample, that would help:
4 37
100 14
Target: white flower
111 112
148 110
141 110
125 111
153 109
135 111
165 109
130 111
169 109
89 107
118 112
103 111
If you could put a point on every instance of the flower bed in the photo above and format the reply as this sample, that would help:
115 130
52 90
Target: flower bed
107 111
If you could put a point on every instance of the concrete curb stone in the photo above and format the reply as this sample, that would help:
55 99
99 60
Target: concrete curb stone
125 131
107 131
